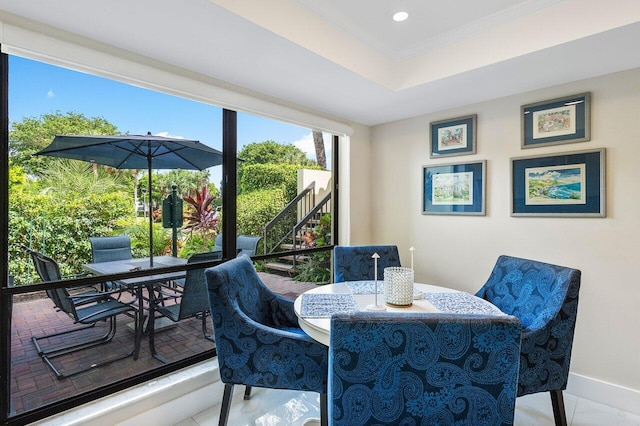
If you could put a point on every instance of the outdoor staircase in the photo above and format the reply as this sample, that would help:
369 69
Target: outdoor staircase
286 264
289 263
286 232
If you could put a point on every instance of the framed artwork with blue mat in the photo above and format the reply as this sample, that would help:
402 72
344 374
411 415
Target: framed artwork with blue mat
456 188
566 184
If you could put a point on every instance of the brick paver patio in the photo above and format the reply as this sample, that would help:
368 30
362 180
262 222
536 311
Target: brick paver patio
33 384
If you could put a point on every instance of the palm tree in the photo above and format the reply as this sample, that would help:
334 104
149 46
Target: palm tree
318 143
76 177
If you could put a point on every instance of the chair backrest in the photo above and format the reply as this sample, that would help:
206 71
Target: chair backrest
217 245
46 267
195 298
247 245
354 263
390 368
107 249
534 292
48 270
236 289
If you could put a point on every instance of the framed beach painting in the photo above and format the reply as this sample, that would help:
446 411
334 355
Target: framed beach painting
557 121
567 184
457 188
456 136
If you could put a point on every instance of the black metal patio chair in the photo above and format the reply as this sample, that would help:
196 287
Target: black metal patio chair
195 299
86 308
109 249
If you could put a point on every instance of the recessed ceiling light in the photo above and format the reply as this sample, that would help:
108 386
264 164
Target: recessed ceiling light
400 16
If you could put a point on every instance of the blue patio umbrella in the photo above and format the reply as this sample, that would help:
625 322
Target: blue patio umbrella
136 152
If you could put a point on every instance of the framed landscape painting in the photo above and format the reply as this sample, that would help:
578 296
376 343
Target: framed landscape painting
557 121
455 136
454 188
567 184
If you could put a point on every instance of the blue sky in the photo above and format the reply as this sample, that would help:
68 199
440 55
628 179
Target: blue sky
36 88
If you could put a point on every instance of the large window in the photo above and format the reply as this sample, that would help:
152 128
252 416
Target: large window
277 206
285 188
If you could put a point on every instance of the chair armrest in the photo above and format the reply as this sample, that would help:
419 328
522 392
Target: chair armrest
93 295
82 299
528 332
78 275
283 313
276 332
167 292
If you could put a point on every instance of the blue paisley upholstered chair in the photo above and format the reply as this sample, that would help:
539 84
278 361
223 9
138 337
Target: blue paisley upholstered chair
258 339
544 298
354 263
423 369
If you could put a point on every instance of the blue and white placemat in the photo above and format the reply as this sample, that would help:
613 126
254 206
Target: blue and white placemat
325 305
461 303
365 287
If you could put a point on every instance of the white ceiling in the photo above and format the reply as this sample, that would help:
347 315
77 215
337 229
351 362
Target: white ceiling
431 24
348 59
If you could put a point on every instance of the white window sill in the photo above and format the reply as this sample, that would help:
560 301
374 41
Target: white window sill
166 400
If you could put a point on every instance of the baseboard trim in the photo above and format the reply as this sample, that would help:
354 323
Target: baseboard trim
610 394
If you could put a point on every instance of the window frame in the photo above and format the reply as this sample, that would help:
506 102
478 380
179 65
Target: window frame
229 167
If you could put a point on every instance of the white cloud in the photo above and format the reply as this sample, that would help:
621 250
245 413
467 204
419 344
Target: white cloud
305 144
168 135
50 94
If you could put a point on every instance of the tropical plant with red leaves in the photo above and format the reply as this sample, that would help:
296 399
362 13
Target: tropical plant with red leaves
200 216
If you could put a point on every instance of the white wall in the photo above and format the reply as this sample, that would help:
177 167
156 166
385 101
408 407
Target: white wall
460 251
355 187
322 179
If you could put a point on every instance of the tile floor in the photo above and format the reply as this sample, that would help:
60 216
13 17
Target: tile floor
278 407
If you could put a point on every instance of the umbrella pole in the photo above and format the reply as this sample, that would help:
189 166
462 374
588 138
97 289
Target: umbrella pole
150 213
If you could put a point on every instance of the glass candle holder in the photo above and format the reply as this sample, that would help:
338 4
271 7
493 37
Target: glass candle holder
398 286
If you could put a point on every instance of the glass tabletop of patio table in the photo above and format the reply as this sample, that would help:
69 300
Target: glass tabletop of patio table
131 265
315 307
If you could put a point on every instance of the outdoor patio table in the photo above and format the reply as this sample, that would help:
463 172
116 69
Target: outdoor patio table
139 283
315 307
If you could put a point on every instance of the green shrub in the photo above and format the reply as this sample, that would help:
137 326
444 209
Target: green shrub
196 242
59 226
259 177
138 231
256 209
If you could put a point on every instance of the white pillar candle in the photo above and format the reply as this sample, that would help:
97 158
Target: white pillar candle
412 250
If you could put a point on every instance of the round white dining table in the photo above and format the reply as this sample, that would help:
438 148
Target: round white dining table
315 307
